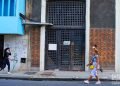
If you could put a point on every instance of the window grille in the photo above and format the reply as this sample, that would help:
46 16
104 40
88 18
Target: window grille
66 13
7 7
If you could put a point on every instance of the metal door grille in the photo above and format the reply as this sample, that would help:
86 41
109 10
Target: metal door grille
78 57
52 60
67 12
72 56
65 50
66 57
68 17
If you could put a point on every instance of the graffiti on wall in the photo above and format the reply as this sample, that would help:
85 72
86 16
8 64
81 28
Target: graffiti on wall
14 60
18 47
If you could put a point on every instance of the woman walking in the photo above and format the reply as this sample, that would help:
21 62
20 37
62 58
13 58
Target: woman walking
6 61
94 63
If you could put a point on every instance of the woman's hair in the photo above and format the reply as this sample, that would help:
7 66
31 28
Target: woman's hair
95 45
6 49
95 49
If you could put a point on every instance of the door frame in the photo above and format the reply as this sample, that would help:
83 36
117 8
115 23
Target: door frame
2 46
87 36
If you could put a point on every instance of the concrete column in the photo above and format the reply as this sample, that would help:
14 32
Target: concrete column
117 35
87 33
42 36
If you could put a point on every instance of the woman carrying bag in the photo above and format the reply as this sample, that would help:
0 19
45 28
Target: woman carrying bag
93 65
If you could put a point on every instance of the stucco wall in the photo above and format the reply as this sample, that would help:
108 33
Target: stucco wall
18 46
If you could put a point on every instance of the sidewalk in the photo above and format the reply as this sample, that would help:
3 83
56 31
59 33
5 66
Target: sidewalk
58 75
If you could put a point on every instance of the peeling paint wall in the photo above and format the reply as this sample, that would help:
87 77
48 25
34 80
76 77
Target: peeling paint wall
102 31
18 46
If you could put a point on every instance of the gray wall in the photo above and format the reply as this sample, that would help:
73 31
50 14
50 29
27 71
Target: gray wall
36 10
102 14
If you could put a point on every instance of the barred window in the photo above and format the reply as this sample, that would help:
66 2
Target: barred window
67 12
7 7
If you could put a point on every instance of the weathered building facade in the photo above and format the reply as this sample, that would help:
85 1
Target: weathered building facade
77 25
66 45
102 30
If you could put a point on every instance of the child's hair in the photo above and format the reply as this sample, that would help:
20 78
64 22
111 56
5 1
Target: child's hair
95 49
95 45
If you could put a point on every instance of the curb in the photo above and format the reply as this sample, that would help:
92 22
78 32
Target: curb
52 79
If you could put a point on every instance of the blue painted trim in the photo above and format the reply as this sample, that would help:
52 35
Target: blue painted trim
2 7
8 7
13 24
15 5
5 8
20 9
9 25
12 7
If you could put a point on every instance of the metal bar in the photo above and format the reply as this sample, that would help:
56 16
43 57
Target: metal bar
5 13
67 27
36 23
2 7
8 8
15 5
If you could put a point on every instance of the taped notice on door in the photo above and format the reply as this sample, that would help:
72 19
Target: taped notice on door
52 46
66 42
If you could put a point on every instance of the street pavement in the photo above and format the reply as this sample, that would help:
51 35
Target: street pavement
58 75
4 82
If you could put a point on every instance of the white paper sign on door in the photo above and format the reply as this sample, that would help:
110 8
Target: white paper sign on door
52 46
66 42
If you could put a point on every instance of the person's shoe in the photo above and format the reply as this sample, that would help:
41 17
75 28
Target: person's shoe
98 82
86 82
0 69
9 73
101 70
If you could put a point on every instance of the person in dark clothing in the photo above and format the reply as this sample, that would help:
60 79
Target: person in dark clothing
6 61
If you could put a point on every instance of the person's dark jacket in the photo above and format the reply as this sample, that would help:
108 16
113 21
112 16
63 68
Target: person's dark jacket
5 58
6 54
